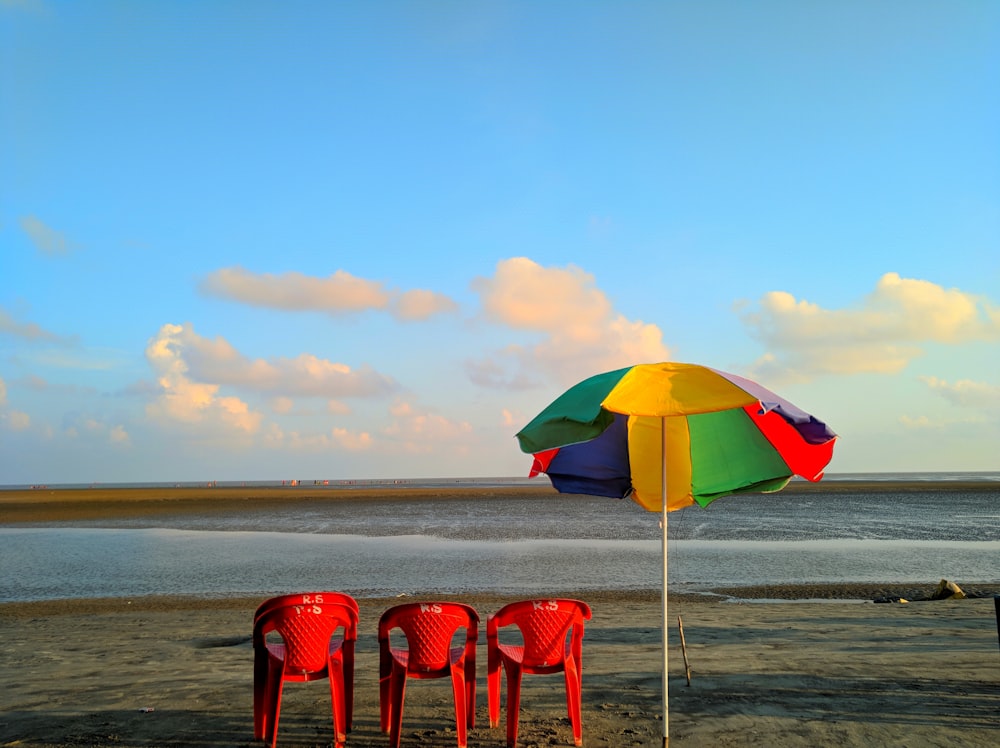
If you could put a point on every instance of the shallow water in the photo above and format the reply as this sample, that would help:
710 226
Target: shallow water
514 546
46 563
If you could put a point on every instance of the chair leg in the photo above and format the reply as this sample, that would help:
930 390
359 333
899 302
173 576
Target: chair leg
260 700
349 684
573 700
385 701
397 693
493 671
513 672
275 712
267 673
461 697
335 675
470 693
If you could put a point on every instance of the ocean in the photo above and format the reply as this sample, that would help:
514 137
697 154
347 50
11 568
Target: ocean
523 546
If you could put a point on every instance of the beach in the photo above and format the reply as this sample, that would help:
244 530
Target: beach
783 666
768 674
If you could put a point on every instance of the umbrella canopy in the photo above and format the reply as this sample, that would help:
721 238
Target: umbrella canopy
724 435
670 435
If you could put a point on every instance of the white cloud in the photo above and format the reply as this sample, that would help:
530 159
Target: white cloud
189 402
882 335
918 422
419 304
494 372
352 441
16 420
47 240
118 435
192 372
338 407
27 330
966 393
418 431
94 429
340 293
217 362
337 439
580 329
925 423
237 414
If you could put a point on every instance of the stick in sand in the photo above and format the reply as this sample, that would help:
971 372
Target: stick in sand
684 650
996 606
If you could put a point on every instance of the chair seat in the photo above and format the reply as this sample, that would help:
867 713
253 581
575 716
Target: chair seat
277 652
402 656
515 653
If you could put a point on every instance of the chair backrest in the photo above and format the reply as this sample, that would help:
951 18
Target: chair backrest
429 629
306 598
544 626
306 630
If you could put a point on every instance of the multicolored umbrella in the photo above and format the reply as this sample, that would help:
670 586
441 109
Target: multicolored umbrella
670 435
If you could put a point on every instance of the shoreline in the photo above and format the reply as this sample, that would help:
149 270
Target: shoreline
785 594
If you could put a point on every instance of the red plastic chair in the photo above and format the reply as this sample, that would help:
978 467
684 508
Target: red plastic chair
429 629
345 642
552 636
304 637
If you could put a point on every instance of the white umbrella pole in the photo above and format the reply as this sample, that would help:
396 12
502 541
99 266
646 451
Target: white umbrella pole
663 491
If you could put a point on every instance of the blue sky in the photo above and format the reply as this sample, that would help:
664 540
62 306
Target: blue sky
263 240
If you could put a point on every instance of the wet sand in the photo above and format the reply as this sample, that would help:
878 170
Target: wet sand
62 504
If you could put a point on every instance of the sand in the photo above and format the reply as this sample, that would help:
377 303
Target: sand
839 672
768 674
